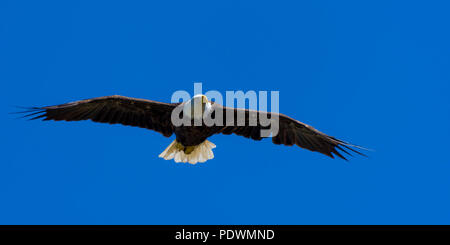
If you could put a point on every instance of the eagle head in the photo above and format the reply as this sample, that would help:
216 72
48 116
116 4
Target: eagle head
197 107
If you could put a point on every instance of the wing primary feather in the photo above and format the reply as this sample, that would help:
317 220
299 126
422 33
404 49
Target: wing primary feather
342 149
37 117
355 151
339 154
32 114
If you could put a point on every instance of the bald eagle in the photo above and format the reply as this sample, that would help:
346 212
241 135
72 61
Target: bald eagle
191 144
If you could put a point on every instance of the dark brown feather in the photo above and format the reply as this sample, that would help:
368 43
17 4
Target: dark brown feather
291 132
112 109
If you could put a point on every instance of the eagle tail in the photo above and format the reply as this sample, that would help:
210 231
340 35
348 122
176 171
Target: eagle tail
190 154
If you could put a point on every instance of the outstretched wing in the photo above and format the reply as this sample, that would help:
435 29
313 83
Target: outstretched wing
112 109
291 132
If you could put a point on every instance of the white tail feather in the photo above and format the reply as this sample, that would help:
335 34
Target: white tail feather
201 152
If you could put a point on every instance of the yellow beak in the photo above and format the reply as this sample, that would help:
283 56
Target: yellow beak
204 100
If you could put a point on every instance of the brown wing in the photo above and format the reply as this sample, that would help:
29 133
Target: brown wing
112 109
291 132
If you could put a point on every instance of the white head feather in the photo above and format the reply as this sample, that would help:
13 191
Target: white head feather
197 107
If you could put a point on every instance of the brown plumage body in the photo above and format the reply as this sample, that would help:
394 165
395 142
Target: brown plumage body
193 135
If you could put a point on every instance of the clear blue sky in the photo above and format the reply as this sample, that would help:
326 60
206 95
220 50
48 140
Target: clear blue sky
374 73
